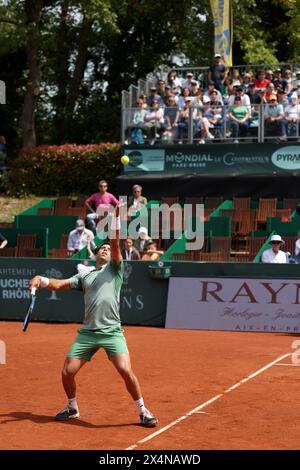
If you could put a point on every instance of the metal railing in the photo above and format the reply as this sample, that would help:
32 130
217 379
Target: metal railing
198 125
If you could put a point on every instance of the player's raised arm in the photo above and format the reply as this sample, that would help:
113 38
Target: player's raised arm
115 236
51 284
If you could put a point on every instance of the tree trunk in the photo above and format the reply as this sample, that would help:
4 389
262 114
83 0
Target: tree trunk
33 10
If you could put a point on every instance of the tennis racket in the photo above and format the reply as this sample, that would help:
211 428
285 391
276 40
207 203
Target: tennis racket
30 309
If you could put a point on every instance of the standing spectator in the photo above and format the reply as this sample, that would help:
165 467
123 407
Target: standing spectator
275 255
78 238
217 72
129 252
238 119
3 241
103 200
136 201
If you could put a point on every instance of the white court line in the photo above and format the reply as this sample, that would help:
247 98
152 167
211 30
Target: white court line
203 405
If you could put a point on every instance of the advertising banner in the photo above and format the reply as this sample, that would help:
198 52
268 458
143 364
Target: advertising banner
215 159
267 305
222 14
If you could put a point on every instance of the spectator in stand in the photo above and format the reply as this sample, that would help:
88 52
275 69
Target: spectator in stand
238 119
296 82
183 119
129 252
210 88
171 120
279 79
246 82
282 97
288 79
292 118
253 95
137 124
3 241
188 81
154 96
167 94
173 80
78 238
273 115
143 98
207 120
275 255
181 101
195 88
269 75
262 95
136 201
216 97
227 89
238 91
99 202
161 84
217 72
141 241
270 90
261 82
154 121
151 252
235 75
3 154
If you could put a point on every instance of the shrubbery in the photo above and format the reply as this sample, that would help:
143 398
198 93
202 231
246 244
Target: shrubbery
63 170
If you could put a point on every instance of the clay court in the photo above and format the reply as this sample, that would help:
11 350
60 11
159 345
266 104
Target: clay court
190 380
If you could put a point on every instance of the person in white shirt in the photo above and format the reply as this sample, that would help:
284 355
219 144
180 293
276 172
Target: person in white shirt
78 238
275 255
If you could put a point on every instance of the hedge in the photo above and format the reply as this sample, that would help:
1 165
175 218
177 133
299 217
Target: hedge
63 170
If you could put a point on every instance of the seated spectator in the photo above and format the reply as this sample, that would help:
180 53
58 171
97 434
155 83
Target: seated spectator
137 124
3 241
270 90
154 121
262 95
181 100
129 252
296 82
238 91
173 80
269 75
154 96
78 238
194 88
136 201
273 115
171 120
253 95
208 119
291 118
288 78
235 75
167 94
99 202
278 81
184 117
261 82
143 98
238 119
3 154
151 253
282 97
216 97
141 241
246 82
275 255
161 85
188 81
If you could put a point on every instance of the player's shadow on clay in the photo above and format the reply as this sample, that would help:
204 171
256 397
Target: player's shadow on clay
42 419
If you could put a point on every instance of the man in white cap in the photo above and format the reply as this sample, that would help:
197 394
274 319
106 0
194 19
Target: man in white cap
275 255
79 237
141 241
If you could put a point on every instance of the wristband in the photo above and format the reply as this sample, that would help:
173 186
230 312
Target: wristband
44 281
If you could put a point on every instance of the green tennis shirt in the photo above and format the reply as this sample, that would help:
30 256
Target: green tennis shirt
101 289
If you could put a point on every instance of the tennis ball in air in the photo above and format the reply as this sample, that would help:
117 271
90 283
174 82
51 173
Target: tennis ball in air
125 160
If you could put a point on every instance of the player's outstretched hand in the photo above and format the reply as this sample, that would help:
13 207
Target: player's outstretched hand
35 282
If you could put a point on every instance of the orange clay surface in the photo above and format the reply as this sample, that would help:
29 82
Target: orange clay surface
178 371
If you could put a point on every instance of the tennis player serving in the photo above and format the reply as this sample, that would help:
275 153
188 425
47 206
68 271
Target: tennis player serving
102 326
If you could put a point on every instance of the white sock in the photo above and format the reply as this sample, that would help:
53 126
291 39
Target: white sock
72 403
140 406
